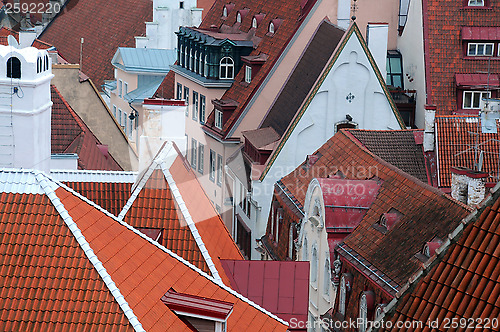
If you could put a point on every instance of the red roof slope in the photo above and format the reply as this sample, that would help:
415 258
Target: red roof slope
291 12
278 286
141 270
71 135
48 283
105 26
391 253
463 284
456 139
444 50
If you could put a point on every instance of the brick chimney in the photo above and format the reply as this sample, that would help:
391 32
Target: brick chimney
468 186
429 139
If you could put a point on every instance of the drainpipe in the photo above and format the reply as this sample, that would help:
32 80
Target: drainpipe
233 219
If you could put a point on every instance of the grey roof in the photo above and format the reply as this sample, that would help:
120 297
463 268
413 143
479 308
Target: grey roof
145 91
213 38
111 85
145 59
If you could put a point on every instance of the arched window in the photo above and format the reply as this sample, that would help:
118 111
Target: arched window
326 278
271 27
201 64
314 266
181 56
224 12
186 61
254 23
363 313
205 70
191 59
226 68
46 67
238 17
342 296
39 65
13 67
306 252
195 66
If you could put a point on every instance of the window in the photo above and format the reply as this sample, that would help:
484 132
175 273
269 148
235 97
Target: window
201 157
226 68
120 84
212 165
218 119
248 74
480 49
39 65
200 65
120 117
394 68
194 153
306 250
186 60
363 313
195 105
379 311
326 279
195 66
219 169
271 27
314 266
130 126
205 70
181 4
254 23
13 67
46 67
181 56
243 238
179 91
186 98
224 12
472 99
238 17
114 111
202 109
476 3
342 297
125 89
191 60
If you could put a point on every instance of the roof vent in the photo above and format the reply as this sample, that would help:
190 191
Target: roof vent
388 220
431 247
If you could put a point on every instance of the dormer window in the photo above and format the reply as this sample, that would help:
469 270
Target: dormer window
480 49
218 119
431 247
13 67
388 221
271 27
248 74
224 12
238 17
476 3
226 70
254 23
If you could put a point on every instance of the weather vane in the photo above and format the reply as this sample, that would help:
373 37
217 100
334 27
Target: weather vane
354 9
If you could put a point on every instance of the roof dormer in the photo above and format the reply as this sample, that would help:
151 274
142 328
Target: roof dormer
257 19
388 220
241 14
227 9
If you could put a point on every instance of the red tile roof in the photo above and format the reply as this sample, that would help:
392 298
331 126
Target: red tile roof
391 253
278 286
105 26
444 51
477 80
291 12
136 271
5 32
463 281
153 205
69 134
456 139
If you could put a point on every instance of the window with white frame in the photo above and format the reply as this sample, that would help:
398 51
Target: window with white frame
363 313
480 49
212 162
186 98
248 74
186 57
195 66
125 88
226 68
314 266
238 17
200 64
191 59
120 85
218 119
326 278
201 157
195 106
254 23
476 3
202 109
130 126
472 99
181 56
342 296
114 111
119 117
194 153
219 170
205 70
179 91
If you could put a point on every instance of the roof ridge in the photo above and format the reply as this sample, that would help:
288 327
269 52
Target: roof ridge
189 220
171 253
87 249
410 177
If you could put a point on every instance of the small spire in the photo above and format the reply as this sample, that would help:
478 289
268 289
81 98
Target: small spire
354 9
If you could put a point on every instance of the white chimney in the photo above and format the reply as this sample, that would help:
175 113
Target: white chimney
162 120
429 138
344 13
376 38
26 38
468 186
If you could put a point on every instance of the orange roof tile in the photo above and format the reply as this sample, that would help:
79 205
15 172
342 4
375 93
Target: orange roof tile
456 141
136 271
463 282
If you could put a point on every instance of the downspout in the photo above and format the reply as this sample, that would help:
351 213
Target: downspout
233 219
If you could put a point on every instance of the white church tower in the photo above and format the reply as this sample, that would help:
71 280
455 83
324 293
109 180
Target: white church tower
25 107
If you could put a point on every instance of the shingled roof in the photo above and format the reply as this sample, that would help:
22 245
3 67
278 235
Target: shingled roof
425 211
77 267
104 26
168 198
290 12
462 280
70 134
443 48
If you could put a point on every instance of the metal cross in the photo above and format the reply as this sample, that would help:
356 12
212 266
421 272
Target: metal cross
350 97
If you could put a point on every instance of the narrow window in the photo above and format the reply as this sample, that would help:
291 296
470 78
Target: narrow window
224 12
186 98
271 27
254 23
114 111
314 266
13 67
202 109
306 250
201 157
212 165
218 119
219 170
125 90
205 70
179 91
195 105
248 74
238 17
181 4
120 87
46 62
39 65
200 65
342 297
363 313
326 279
194 152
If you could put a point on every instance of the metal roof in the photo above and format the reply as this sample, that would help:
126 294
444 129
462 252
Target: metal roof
146 91
144 59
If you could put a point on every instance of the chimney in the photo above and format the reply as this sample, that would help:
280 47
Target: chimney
468 186
430 117
376 38
344 13
26 38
